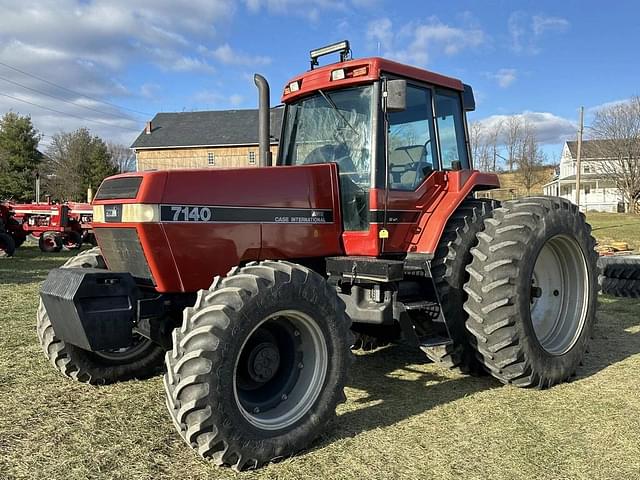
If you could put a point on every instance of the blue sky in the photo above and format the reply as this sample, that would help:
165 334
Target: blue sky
539 59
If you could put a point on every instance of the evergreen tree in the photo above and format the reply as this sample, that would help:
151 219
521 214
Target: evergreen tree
19 157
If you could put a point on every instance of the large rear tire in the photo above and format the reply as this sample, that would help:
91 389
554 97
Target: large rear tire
452 256
532 291
259 364
141 360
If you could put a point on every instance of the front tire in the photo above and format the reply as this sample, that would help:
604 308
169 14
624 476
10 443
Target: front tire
532 291
259 364
50 242
141 360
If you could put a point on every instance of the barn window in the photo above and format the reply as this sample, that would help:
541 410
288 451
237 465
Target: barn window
252 158
211 159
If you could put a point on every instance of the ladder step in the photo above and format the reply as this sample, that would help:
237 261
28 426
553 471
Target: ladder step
420 305
436 341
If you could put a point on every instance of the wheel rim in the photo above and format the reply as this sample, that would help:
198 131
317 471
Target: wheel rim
126 354
559 294
280 370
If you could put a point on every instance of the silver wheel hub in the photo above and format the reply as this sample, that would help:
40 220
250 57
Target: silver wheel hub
559 294
280 370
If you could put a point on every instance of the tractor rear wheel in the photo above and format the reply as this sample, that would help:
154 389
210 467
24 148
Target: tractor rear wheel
142 359
259 364
532 291
452 256
7 245
50 242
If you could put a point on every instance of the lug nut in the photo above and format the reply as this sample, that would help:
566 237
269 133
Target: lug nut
556 293
256 410
300 365
284 397
296 333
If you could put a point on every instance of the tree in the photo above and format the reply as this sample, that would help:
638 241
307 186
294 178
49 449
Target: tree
529 159
122 157
513 139
19 157
617 129
76 162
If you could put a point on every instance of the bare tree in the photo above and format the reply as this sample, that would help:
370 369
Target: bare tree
493 137
123 158
513 138
529 159
617 129
484 146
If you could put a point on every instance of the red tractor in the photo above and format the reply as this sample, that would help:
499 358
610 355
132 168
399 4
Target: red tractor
51 223
259 282
11 233
81 215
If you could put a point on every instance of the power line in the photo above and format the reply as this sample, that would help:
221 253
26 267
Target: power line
74 92
70 114
64 99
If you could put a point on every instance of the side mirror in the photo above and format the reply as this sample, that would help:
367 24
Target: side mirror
468 100
396 95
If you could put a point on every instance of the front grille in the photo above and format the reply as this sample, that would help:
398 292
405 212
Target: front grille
122 251
124 187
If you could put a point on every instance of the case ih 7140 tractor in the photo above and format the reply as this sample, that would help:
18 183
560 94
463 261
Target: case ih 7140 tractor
365 230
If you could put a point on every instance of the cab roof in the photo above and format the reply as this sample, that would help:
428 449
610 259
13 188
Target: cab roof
361 70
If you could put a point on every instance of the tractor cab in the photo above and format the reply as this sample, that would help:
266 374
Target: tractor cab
395 133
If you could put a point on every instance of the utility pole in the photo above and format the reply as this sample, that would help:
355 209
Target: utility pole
578 156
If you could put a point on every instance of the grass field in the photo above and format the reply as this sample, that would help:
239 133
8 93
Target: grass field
404 418
608 227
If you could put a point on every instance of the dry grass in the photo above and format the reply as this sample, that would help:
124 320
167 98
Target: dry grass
609 227
404 418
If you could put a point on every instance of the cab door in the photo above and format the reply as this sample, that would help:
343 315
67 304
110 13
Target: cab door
424 142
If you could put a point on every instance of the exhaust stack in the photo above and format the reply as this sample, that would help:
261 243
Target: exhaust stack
263 120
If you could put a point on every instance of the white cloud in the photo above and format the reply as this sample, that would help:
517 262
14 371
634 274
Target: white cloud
505 76
526 30
415 42
542 23
86 46
549 128
312 10
225 54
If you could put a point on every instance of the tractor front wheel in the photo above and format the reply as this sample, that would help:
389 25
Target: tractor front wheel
532 291
50 242
259 364
141 359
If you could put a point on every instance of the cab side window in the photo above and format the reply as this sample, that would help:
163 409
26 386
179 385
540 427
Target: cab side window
450 124
411 157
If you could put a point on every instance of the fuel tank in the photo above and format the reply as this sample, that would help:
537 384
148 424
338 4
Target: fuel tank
176 230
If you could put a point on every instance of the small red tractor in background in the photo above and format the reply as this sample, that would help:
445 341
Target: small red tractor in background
11 233
53 224
257 283
82 214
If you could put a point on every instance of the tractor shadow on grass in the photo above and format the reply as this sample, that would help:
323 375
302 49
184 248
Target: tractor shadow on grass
395 383
392 384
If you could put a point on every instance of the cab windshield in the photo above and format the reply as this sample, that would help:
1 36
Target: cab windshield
335 126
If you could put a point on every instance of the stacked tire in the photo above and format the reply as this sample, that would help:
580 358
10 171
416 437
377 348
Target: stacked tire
620 275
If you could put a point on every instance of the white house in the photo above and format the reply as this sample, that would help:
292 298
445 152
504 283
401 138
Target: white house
597 192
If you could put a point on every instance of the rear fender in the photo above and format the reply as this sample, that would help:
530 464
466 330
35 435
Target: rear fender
460 185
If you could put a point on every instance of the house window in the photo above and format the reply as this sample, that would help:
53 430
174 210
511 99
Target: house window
586 169
587 189
211 159
252 158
